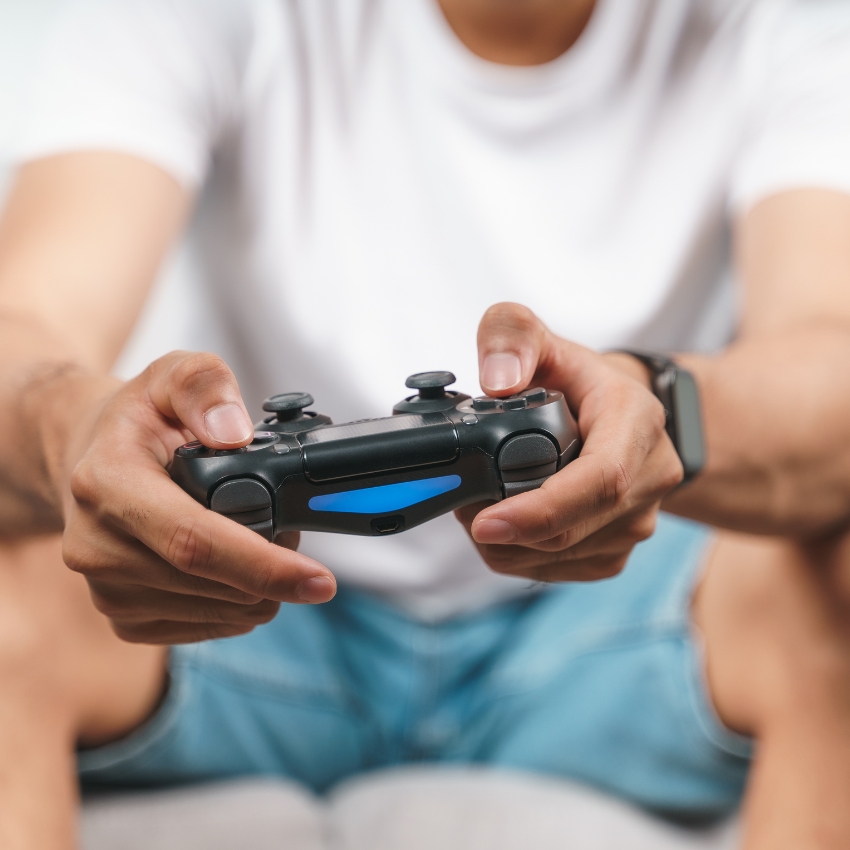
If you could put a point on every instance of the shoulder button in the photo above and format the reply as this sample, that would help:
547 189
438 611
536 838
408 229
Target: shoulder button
240 496
527 457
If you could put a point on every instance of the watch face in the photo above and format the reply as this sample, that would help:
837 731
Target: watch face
687 419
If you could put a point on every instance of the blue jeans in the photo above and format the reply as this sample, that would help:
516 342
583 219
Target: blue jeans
598 682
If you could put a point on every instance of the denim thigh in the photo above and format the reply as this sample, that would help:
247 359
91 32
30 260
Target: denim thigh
599 682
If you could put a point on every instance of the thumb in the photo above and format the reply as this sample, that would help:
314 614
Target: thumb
511 340
201 392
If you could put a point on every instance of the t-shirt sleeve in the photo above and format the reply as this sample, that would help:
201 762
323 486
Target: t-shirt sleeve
796 96
155 78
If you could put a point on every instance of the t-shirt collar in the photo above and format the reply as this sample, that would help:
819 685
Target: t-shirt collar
584 73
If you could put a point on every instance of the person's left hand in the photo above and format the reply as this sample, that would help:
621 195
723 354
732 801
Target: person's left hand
584 521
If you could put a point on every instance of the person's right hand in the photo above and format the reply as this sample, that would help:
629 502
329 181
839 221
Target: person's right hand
162 567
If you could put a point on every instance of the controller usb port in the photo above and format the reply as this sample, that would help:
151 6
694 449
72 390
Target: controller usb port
388 524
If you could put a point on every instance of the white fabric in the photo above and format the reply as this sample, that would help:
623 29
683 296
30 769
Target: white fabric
248 814
406 809
370 187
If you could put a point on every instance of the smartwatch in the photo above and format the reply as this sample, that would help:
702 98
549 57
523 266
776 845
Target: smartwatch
676 389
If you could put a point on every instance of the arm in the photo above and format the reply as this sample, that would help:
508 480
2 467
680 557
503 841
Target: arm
777 404
80 242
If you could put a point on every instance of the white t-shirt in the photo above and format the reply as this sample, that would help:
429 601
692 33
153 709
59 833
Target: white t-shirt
369 187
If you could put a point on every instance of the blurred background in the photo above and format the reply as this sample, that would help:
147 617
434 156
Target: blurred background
174 316
23 25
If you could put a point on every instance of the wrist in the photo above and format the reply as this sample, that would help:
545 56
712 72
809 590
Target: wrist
676 388
631 366
61 401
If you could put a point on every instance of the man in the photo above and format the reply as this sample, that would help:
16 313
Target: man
375 176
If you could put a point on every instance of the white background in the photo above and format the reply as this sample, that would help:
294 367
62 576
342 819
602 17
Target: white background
166 323
23 24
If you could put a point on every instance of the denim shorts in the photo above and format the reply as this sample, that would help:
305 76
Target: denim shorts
600 682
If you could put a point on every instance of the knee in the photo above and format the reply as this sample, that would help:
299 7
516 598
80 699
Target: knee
778 639
31 657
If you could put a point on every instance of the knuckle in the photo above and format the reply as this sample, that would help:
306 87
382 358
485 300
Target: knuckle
266 582
134 632
550 521
263 613
80 557
24 645
560 542
512 315
93 486
615 485
649 408
500 559
188 546
657 416
111 603
85 487
199 371
213 631
106 605
82 553
609 567
75 555
642 527
192 584
209 614
675 473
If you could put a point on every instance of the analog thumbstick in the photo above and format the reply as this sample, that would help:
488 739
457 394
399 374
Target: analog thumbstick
287 406
431 385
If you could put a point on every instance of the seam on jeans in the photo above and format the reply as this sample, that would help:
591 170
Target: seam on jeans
280 688
669 619
142 740
700 703
699 692
530 676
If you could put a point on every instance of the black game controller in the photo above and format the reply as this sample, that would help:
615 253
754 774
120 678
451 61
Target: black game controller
439 451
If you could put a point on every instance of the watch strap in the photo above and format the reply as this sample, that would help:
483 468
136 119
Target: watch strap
677 390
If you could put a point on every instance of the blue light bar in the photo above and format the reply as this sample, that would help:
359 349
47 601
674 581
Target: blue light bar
387 498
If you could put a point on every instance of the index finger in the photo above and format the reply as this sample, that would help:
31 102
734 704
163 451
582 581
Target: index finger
587 493
203 543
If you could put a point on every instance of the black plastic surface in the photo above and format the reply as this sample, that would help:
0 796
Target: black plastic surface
418 404
426 382
378 445
527 450
535 396
244 494
388 524
264 529
484 454
514 488
299 421
287 406
685 423
287 401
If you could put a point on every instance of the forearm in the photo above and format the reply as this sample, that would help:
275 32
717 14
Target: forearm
776 412
44 391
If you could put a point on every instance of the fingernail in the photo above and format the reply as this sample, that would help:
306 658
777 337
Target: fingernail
317 589
228 423
494 531
500 371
